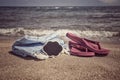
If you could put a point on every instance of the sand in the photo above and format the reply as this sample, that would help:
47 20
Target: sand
63 67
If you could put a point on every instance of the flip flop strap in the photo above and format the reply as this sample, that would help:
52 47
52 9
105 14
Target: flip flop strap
76 45
98 45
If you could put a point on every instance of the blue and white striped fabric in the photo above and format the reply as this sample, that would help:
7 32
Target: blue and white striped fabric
33 45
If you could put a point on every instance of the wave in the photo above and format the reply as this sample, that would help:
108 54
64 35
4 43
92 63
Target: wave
61 32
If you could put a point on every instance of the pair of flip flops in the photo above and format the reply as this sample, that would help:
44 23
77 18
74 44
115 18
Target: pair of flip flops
85 47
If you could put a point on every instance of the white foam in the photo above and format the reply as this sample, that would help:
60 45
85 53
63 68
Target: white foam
57 7
61 32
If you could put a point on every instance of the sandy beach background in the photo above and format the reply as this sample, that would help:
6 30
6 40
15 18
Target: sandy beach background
96 23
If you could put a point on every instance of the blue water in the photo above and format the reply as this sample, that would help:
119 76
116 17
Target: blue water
83 18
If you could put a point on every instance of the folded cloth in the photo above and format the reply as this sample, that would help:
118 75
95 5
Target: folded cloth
33 46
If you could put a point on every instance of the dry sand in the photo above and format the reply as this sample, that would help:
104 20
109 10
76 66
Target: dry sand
63 67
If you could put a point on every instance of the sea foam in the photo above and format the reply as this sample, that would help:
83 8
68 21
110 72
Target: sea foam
61 32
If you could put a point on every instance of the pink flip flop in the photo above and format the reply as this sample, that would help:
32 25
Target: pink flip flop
89 44
77 50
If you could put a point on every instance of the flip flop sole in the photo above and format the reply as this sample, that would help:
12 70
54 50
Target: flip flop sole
77 52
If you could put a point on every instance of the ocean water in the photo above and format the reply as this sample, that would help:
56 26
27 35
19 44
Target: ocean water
84 18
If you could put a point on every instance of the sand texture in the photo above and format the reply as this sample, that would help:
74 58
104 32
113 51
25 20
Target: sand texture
63 67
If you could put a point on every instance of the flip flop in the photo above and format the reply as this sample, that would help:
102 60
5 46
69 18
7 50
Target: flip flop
91 45
97 50
77 50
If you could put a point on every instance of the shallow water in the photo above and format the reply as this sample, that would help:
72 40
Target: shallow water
91 19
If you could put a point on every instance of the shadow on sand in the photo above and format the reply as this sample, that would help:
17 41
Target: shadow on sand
26 58
96 55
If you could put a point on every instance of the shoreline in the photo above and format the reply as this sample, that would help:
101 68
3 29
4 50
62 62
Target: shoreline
35 31
102 36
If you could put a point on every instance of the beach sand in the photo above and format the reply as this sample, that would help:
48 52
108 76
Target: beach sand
63 67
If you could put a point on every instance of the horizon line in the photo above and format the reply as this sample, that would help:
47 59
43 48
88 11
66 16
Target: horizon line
62 6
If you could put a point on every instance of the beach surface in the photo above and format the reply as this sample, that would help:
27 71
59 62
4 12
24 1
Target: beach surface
63 67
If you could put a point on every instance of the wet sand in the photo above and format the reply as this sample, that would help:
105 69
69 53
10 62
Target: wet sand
63 67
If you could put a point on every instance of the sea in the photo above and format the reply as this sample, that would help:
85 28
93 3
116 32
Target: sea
87 20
